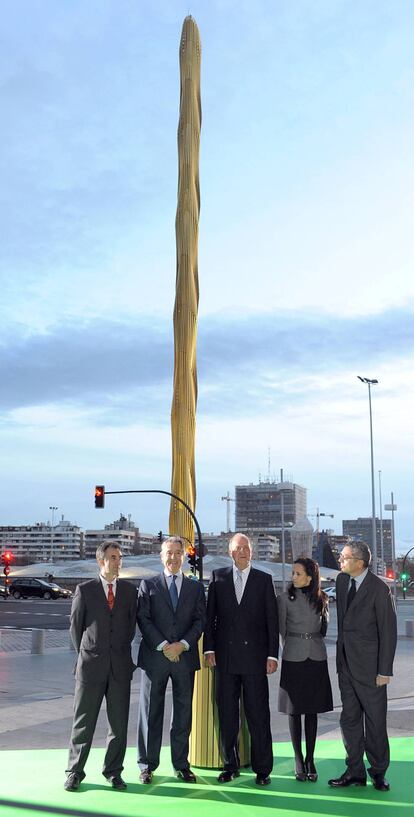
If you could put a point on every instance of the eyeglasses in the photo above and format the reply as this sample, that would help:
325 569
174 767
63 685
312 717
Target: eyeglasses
346 558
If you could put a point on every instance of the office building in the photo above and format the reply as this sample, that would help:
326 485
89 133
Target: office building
42 542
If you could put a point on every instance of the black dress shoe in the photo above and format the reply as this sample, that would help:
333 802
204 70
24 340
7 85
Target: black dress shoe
117 782
300 771
226 775
187 775
347 780
380 783
262 779
146 776
72 782
311 772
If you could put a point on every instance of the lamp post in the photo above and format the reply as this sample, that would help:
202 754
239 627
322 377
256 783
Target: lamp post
52 508
374 527
381 525
282 519
392 507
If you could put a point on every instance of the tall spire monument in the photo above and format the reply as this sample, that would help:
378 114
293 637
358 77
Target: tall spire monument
183 412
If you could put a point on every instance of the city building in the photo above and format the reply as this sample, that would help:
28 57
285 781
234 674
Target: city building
122 531
270 508
42 542
265 547
360 530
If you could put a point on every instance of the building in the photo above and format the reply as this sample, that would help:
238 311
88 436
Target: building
265 547
328 547
301 535
42 542
122 531
270 508
360 530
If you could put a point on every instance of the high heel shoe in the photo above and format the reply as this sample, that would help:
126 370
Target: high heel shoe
311 772
300 771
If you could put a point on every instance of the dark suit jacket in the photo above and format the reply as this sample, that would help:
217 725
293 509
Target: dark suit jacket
368 630
102 637
242 635
158 622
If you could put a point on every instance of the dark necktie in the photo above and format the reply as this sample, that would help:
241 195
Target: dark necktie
351 593
111 597
173 592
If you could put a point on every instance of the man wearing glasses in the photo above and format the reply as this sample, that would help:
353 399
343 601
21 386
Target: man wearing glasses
367 638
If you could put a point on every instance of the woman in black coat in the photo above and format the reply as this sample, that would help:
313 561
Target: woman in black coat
305 688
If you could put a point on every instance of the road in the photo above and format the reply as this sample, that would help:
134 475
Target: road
35 613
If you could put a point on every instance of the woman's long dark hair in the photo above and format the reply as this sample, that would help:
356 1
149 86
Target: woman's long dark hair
317 597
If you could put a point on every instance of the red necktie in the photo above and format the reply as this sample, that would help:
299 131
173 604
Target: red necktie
111 597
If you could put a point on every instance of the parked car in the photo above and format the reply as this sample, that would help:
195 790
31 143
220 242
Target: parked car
40 588
331 593
3 592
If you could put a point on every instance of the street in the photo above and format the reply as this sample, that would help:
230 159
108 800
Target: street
35 613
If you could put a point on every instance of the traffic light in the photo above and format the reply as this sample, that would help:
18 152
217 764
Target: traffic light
192 558
390 574
99 496
404 581
160 537
6 558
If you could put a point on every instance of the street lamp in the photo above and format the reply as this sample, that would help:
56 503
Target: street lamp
391 506
52 508
374 527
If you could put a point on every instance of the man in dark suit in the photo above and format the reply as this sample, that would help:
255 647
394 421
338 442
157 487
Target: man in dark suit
102 626
171 616
242 641
367 638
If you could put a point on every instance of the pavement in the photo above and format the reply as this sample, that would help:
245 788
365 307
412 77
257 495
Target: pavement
36 691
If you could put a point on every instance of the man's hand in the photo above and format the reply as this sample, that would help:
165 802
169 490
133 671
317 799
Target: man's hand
381 680
210 659
173 651
271 666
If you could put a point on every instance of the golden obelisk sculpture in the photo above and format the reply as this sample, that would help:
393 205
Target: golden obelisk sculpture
183 412
204 739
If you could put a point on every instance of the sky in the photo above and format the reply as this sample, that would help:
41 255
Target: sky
305 254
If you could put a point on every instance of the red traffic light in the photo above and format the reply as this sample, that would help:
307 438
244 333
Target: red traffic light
192 557
99 496
6 557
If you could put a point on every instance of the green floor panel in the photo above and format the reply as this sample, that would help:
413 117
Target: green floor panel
32 784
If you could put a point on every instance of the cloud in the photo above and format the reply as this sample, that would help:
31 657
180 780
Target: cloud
125 369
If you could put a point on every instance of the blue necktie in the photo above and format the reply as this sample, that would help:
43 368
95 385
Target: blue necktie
173 592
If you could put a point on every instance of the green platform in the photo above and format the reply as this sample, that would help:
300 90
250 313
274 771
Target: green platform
32 784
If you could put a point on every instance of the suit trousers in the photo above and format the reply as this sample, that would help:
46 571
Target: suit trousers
87 703
151 715
256 706
363 724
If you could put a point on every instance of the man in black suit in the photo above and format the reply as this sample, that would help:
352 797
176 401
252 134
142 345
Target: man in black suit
241 640
367 638
102 626
171 616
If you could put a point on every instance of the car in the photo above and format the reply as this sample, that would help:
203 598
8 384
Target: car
331 592
3 592
39 588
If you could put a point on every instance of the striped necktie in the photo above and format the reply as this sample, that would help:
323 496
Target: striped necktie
238 586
